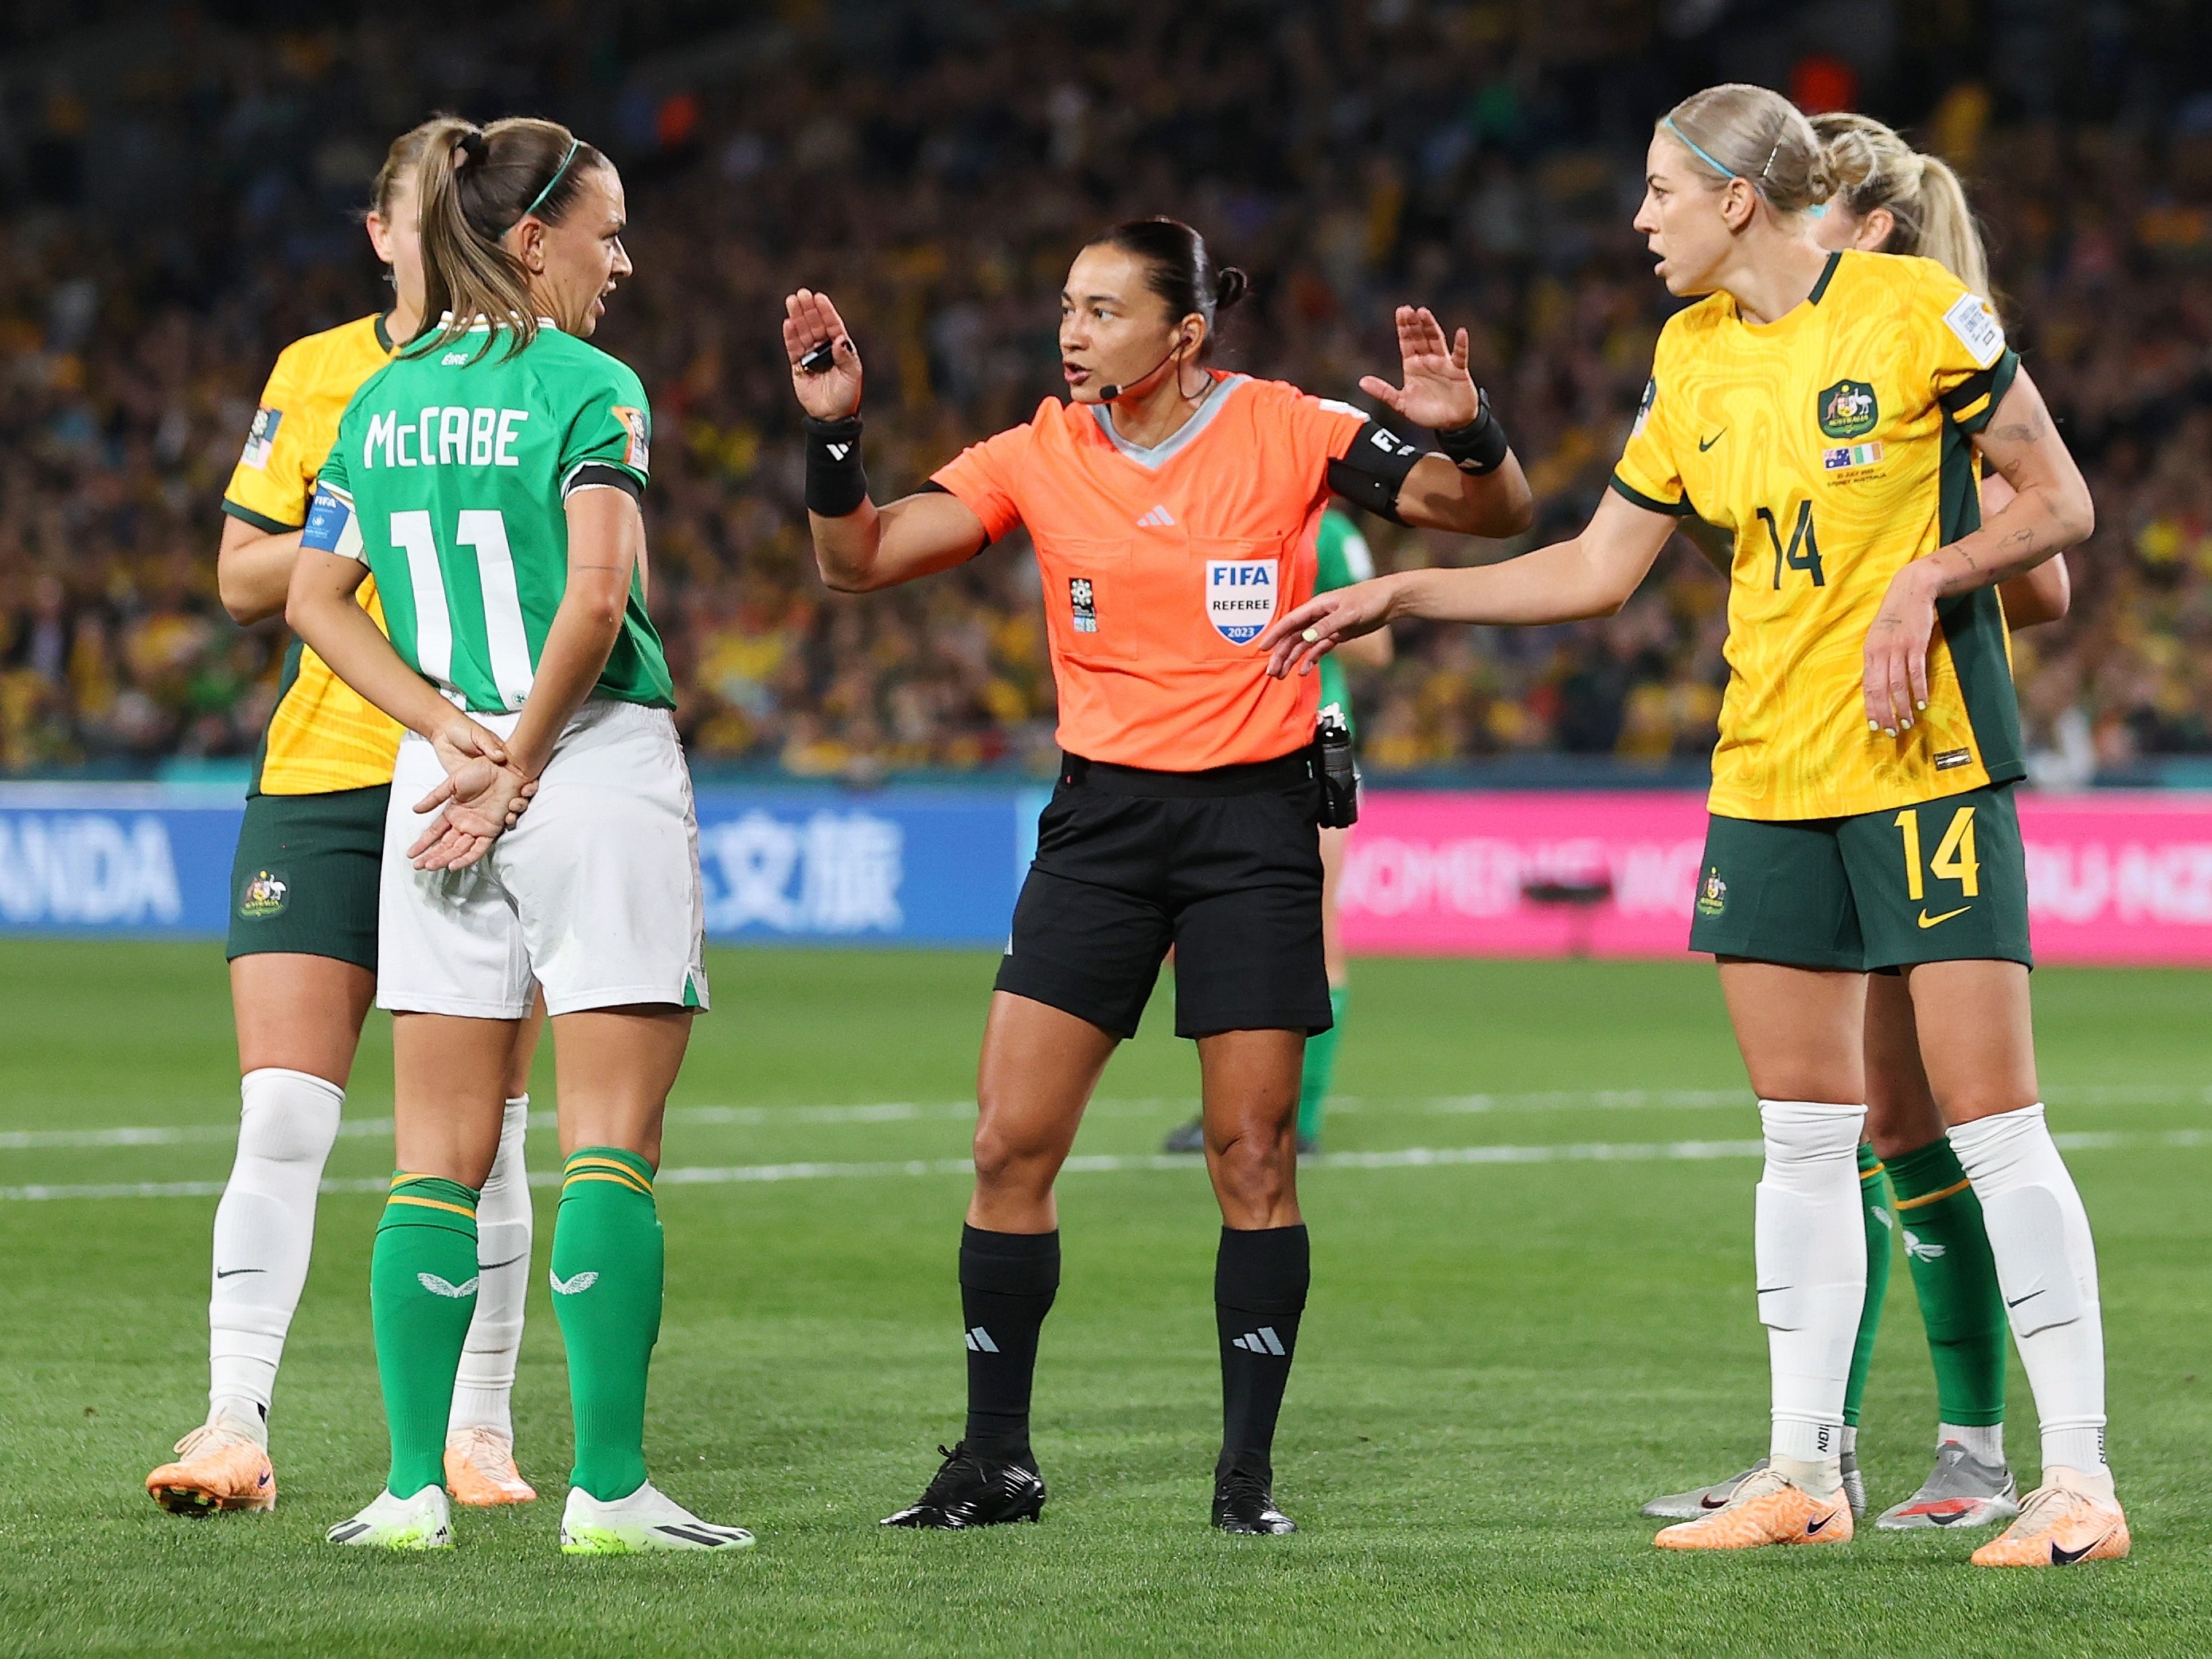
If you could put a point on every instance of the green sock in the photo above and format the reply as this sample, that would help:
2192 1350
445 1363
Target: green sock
421 1294
1956 1278
1873 1199
1320 1066
607 1257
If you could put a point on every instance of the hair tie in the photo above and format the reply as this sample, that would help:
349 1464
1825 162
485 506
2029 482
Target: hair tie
471 144
538 200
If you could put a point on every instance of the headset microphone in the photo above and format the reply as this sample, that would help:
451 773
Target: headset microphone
1107 394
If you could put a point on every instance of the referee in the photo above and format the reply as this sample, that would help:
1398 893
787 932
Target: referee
1173 509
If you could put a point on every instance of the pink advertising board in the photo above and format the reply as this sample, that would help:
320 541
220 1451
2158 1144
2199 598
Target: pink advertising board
2111 877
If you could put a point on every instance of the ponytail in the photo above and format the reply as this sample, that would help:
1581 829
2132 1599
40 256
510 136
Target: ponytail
1876 168
475 186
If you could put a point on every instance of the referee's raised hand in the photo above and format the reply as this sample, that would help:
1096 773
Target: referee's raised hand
1438 394
827 390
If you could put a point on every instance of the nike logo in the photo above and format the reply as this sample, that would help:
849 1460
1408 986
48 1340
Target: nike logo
1705 444
1812 1526
1709 1501
2066 1558
1927 921
492 1267
2029 1296
232 1272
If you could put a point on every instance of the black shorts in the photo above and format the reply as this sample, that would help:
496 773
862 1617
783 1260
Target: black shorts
1225 866
304 878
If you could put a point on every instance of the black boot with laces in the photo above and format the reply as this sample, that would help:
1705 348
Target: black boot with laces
973 1489
1243 1502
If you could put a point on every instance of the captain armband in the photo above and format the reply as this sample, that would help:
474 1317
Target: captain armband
331 526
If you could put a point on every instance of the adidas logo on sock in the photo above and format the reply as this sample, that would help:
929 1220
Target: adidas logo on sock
1159 518
1263 1340
979 1341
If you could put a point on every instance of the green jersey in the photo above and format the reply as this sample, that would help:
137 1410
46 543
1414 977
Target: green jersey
449 478
1341 558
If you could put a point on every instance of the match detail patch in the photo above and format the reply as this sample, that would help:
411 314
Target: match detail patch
1976 327
261 438
1842 460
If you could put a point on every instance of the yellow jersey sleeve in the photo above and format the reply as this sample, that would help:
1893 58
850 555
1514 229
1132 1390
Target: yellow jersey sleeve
1650 474
1964 356
275 476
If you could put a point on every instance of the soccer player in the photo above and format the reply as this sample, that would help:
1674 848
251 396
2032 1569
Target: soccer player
1825 406
1173 508
1341 557
1907 203
302 949
488 479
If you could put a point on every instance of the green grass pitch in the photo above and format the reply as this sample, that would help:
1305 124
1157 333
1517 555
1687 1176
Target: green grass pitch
1504 1354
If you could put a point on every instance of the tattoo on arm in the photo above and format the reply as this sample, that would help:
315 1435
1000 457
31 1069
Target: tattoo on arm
2028 431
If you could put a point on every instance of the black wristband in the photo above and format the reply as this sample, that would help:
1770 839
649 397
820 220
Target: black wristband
836 483
1480 448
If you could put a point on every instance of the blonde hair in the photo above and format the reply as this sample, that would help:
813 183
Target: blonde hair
400 162
1922 193
474 185
1752 133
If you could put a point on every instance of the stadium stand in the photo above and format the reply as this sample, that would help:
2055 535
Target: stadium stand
176 191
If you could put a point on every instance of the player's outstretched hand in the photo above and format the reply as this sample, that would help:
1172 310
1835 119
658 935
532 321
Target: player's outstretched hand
1896 668
830 391
1438 394
1301 638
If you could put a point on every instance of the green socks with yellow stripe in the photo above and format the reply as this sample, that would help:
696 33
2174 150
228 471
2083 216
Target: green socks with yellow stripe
1873 1211
1947 1249
421 1294
607 1260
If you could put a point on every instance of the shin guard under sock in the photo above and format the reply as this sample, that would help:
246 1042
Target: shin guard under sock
1008 1284
1947 1249
1260 1279
421 1292
483 1392
1874 1209
607 1268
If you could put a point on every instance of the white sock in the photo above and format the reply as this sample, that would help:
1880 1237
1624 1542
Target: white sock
2046 1265
264 1231
1984 1441
484 1386
1810 1246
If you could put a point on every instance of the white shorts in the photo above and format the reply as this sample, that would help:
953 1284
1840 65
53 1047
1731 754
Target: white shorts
594 894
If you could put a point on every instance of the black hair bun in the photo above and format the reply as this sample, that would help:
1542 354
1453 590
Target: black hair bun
1229 287
472 145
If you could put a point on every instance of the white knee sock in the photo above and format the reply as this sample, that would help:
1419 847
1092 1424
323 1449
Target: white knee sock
485 1385
265 1231
1810 1246
2047 1269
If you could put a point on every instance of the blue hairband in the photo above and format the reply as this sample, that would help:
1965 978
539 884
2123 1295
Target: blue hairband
1818 210
574 143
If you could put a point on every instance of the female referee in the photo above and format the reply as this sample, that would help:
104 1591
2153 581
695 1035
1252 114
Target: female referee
1825 406
1173 510
1907 203
302 949
490 479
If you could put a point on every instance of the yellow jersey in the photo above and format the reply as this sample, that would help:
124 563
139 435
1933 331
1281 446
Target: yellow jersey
323 735
1834 443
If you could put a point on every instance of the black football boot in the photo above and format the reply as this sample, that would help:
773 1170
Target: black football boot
973 1490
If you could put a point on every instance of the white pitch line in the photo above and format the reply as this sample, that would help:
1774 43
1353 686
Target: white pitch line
901 1112
1404 1157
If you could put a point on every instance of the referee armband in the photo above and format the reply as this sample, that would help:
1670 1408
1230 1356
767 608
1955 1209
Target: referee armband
1371 473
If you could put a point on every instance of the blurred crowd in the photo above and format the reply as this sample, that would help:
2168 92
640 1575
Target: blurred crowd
181 198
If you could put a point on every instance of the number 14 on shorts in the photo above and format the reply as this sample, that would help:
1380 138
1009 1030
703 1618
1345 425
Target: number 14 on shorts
1954 859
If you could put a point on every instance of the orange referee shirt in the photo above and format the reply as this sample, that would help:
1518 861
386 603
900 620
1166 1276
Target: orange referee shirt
1161 565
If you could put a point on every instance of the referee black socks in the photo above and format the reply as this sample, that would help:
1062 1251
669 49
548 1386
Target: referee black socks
1007 1282
1260 1281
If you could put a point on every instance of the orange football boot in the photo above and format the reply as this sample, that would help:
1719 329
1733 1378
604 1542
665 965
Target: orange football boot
480 1469
1766 1510
2059 1527
217 1468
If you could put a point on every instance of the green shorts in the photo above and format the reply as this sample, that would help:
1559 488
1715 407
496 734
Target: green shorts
1943 881
305 878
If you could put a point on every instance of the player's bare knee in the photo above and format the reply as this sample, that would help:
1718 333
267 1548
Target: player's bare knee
1253 1172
